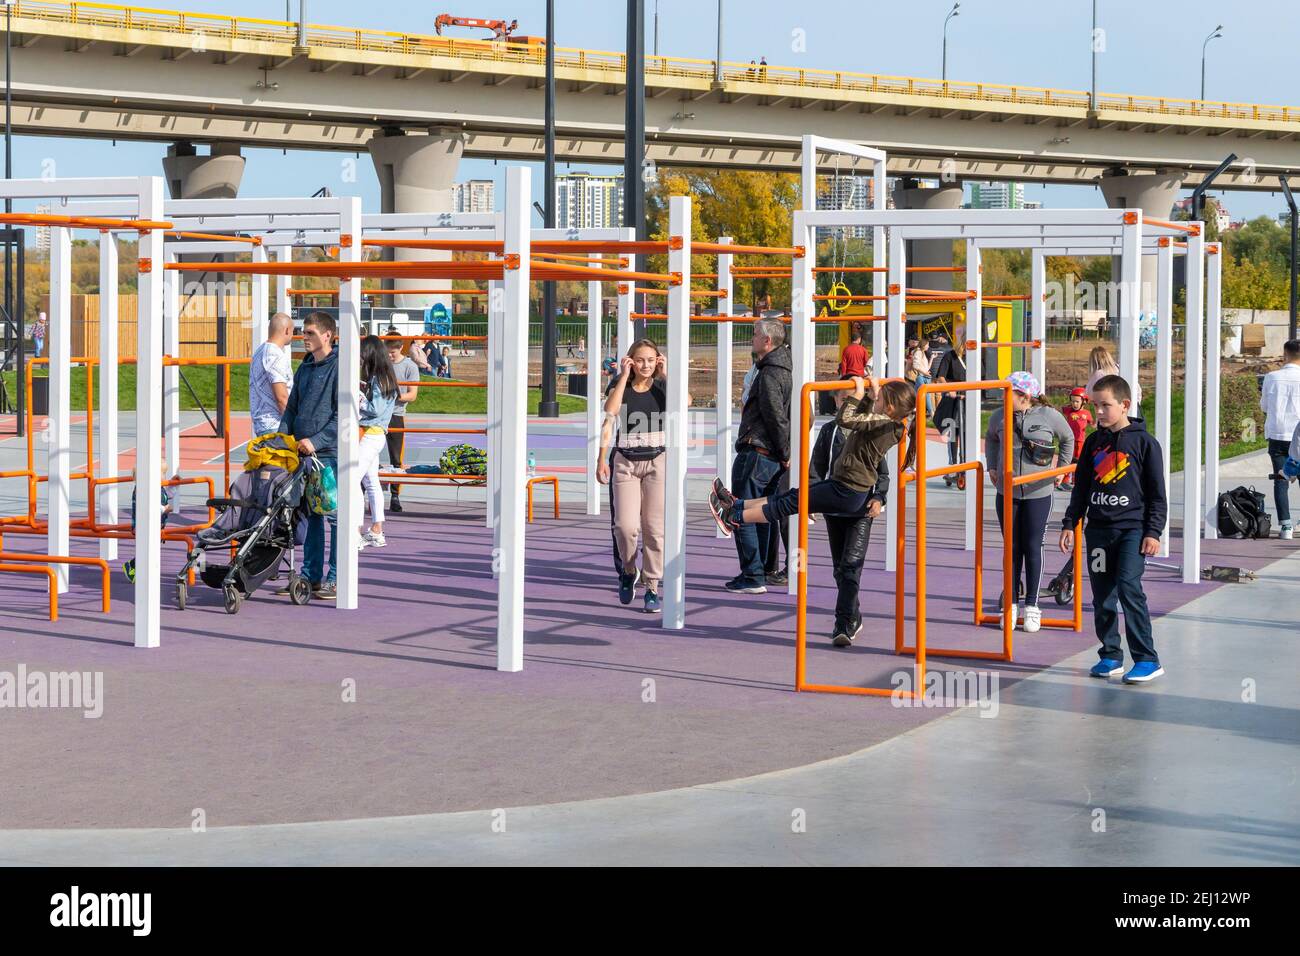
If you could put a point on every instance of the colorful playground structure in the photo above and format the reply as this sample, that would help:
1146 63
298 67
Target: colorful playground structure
269 230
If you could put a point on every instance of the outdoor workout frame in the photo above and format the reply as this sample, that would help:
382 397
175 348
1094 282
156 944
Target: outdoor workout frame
1108 230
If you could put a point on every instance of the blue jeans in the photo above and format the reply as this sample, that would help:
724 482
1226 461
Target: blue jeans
313 549
755 476
1118 555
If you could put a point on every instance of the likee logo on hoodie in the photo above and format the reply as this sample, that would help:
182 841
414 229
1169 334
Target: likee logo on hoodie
1109 466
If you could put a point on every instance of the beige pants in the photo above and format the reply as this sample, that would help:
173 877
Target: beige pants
639 507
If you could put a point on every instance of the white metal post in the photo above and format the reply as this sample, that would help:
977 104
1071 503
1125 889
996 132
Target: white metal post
148 420
514 425
171 381
677 356
1213 350
1164 360
261 303
1130 299
975 369
351 509
626 301
896 289
1194 338
496 335
802 287
879 281
282 302
724 444
108 417
59 427
1038 317
595 400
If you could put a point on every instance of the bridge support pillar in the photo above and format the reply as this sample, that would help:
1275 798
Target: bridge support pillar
416 175
214 176
1154 194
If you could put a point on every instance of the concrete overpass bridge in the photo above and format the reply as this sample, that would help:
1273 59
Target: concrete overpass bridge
418 103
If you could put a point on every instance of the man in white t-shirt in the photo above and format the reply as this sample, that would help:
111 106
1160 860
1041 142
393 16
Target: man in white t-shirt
1280 399
270 376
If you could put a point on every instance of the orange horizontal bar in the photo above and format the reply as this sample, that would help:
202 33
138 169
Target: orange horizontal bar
548 272
850 298
333 293
941 293
571 247
482 271
82 222
1188 227
427 338
251 240
439 431
217 360
620 263
1035 344
1018 480
694 292
1005 298
443 384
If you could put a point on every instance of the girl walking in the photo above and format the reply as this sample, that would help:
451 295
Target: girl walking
636 402
950 412
379 394
1041 439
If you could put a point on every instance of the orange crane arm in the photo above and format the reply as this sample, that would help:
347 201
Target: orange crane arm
499 28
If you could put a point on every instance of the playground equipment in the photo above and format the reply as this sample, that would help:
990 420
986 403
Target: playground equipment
517 256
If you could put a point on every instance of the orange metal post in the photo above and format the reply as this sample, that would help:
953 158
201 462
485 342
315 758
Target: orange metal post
801 606
34 569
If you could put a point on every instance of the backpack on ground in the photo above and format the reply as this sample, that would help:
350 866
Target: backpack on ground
1242 514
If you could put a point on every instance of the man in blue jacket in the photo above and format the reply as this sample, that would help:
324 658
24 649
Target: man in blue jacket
1120 489
312 418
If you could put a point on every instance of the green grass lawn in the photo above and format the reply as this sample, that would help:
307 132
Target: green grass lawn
203 381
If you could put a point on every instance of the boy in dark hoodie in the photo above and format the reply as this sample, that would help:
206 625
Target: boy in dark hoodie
312 418
1120 490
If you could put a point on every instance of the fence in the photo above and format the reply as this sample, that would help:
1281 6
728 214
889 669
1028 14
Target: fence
198 326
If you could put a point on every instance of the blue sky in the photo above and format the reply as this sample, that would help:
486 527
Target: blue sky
1032 42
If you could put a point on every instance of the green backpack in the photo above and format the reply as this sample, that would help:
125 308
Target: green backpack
464 460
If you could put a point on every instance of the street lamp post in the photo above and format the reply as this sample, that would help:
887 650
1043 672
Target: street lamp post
656 27
717 63
1092 41
951 13
548 406
1218 32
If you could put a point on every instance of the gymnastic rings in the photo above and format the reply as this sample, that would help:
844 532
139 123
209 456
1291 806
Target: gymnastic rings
838 299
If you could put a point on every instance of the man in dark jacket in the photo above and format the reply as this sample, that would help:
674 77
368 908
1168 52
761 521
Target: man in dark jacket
312 418
849 534
762 450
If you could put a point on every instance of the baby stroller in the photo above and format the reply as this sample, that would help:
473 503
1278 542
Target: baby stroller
258 521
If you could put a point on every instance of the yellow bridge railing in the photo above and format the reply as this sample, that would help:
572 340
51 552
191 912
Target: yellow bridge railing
780 79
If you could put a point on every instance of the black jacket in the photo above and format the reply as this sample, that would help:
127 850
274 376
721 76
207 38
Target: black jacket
827 448
1120 482
765 419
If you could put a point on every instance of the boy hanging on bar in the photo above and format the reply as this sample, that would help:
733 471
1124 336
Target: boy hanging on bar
1119 491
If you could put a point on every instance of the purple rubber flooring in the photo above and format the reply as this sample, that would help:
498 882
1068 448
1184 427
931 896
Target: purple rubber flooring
244 717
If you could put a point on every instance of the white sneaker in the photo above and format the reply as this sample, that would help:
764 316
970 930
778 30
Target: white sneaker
372 540
1284 532
1013 618
1033 619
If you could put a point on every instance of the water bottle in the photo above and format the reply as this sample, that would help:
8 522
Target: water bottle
532 464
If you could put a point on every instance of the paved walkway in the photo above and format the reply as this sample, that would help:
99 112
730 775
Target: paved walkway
1070 771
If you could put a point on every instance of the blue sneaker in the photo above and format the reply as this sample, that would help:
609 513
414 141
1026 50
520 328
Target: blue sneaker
1106 668
626 588
1143 671
653 603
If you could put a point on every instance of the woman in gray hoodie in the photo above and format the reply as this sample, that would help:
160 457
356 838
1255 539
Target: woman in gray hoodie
1040 441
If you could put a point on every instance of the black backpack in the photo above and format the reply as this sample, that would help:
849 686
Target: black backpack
1242 514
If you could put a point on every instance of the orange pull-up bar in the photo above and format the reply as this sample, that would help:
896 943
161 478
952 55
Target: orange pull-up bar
82 222
333 293
1035 344
216 237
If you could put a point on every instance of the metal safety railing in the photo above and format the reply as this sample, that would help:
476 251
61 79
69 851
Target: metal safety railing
524 53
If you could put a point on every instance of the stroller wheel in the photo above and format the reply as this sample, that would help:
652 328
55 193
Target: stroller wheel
233 599
299 590
182 594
